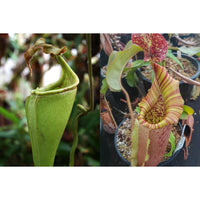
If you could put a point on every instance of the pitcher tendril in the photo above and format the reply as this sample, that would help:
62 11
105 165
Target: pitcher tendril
83 110
46 48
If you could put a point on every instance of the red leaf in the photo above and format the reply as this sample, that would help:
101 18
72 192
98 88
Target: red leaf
188 133
190 122
142 40
108 123
154 46
106 44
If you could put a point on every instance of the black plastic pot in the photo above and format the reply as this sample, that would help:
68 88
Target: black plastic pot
185 88
179 146
115 99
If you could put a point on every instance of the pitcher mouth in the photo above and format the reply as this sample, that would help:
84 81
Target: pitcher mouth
163 104
157 113
68 81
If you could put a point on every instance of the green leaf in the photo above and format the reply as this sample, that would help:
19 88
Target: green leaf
172 142
9 115
135 142
136 64
137 109
91 162
132 78
188 110
147 155
104 87
147 63
152 76
184 115
128 44
190 50
111 57
115 68
174 58
198 54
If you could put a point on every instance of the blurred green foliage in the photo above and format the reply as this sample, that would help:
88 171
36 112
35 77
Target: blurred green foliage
15 148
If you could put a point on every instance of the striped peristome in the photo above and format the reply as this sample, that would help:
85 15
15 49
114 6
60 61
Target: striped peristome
164 93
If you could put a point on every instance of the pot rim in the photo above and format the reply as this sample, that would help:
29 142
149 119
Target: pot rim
190 58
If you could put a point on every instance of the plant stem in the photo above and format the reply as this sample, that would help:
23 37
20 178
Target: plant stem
129 105
186 79
83 111
110 112
185 42
88 38
75 140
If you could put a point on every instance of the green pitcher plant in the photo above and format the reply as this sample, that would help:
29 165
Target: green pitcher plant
159 109
48 108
